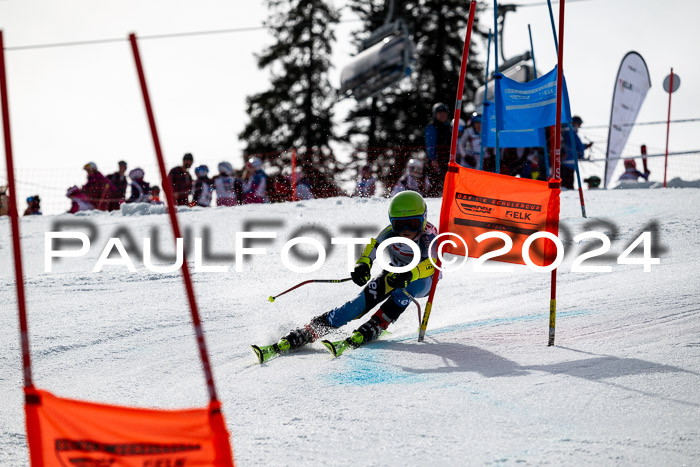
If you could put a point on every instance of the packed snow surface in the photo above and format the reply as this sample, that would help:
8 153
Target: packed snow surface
620 387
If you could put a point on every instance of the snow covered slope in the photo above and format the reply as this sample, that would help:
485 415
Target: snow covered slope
621 387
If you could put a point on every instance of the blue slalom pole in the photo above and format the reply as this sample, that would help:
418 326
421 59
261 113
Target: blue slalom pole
532 52
495 110
486 95
554 30
572 141
534 71
546 153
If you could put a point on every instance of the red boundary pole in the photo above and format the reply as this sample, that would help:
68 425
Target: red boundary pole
556 181
14 221
453 151
668 124
196 321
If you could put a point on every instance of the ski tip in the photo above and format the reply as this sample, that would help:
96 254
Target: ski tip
331 348
258 353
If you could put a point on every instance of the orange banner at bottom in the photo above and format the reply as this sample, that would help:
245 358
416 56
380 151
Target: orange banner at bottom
66 432
476 202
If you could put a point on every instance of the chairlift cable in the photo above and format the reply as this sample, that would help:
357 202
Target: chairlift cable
147 37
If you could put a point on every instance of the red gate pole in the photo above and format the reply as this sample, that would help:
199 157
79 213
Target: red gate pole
196 321
668 124
556 181
453 152
14 221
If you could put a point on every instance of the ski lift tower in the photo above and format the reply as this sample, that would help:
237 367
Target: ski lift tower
385 59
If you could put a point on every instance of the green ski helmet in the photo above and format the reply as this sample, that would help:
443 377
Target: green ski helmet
408 211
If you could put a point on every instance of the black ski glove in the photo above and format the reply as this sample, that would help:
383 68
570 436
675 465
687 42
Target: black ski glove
361 274
399 280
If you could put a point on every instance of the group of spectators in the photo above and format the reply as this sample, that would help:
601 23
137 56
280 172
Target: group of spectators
253 186
108 193
521 162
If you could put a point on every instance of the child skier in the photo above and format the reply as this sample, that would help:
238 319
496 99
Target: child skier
203 188
413 179
254 182
226 186
408 215
140 189
631 172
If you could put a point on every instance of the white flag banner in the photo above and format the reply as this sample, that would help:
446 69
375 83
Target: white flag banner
631 88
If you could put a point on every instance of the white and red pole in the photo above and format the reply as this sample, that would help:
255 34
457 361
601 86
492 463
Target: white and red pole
169 196
555 182
14 223
668 125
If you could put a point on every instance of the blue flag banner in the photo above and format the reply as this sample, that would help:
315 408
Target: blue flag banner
530 138
523 106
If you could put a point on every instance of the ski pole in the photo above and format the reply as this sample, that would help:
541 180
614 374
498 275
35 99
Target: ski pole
324 281
413 299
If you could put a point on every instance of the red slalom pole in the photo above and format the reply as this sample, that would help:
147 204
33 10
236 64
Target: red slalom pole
14 221
644 158
555 182
453 152
668 124
196 321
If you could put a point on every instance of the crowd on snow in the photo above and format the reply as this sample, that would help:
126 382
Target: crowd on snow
252 186
108 193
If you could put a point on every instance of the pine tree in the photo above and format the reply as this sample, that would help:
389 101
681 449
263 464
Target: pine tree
395 119
297 110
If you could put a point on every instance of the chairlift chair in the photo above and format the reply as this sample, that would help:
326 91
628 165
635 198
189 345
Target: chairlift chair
386 58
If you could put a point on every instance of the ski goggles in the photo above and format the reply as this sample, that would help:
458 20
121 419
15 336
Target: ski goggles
412 224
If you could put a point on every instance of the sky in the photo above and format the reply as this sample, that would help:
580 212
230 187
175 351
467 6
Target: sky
70 105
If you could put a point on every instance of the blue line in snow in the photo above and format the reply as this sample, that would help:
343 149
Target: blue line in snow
366 369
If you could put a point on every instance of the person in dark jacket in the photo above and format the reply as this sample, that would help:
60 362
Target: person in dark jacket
140 189
203 188
119 181
100 192
437 146
181 181
33 206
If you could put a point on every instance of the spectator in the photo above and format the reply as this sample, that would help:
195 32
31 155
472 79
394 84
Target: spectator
254 182
118 179
79 200
33 206
140 189
437 147
154 197
303 186
367 184
226 186
469 144
593 182
4 203
99 190
281 187
631 172
413 180
568 162
181 181
203 187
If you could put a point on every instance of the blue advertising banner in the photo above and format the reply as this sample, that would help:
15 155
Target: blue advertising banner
524 106
530 138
